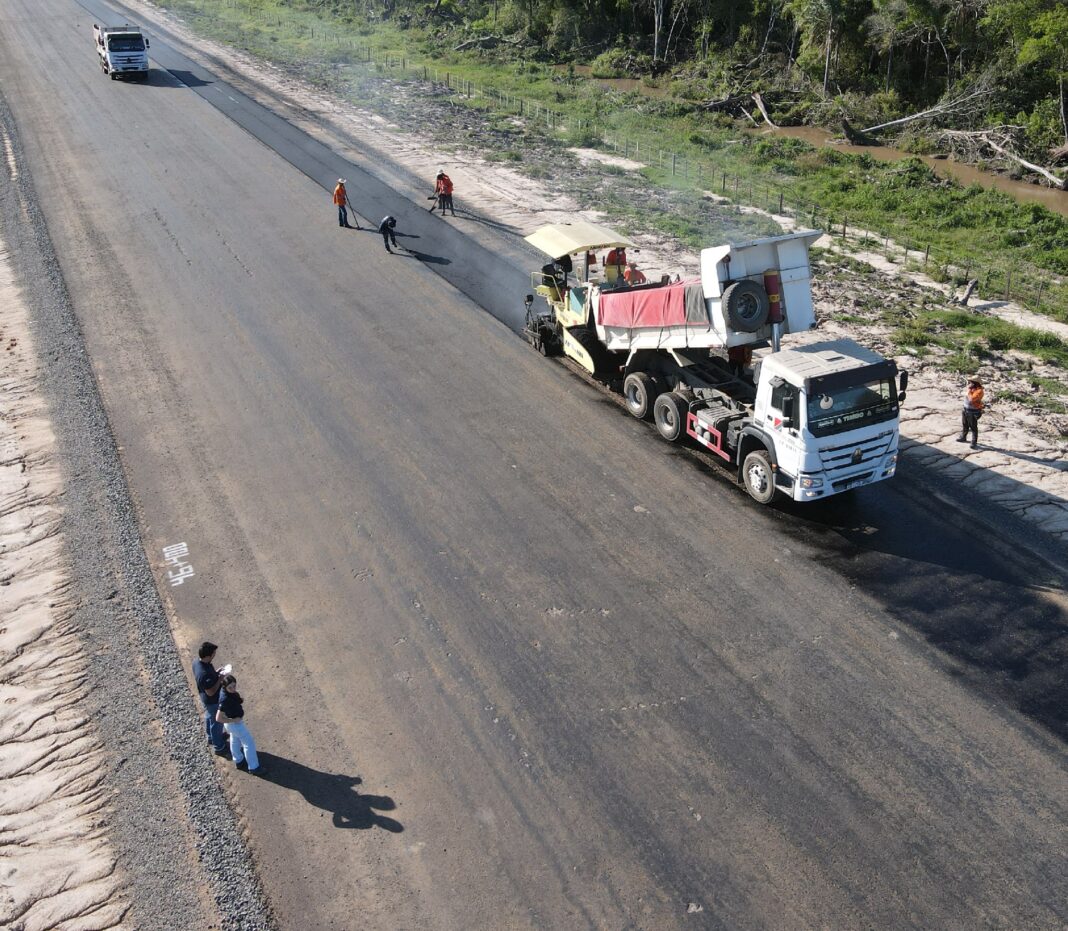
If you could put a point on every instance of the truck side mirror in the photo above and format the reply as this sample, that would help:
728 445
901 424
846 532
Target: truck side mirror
904 382
147 43
528 300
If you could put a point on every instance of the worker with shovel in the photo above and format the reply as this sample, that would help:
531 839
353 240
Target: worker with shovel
443 193
341 199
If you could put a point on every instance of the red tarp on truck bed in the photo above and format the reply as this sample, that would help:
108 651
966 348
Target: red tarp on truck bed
670 305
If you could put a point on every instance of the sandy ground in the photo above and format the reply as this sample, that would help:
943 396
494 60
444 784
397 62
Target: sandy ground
57 867
1022 459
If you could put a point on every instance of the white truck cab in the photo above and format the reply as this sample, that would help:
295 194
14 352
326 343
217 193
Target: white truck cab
122 51
830 410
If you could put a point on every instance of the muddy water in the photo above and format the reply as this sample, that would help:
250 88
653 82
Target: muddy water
1054 200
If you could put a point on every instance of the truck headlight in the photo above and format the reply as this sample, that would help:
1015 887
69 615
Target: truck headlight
890 465
810 481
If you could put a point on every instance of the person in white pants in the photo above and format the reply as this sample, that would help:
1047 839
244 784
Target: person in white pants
231 715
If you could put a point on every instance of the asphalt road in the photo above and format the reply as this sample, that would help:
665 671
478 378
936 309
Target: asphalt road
513 662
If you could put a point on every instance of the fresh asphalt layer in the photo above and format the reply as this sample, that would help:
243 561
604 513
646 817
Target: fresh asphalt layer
513 662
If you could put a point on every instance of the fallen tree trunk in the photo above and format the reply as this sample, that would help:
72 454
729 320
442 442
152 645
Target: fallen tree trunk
485 42
759 101
947 107
966 296
1062 183
855 136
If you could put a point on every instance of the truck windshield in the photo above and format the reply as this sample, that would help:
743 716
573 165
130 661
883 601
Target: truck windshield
851 407
126 44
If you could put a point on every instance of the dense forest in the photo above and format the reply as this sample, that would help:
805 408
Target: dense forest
995 72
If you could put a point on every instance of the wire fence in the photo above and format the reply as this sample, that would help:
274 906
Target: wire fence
1010 282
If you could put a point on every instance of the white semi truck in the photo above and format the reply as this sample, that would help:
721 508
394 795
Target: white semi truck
123 51
808 421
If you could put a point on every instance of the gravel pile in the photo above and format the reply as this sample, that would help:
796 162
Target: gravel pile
177 837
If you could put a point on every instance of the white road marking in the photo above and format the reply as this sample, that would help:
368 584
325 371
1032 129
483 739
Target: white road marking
175 555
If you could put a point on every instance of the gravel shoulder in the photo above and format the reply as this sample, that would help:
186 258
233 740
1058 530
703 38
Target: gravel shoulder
163 837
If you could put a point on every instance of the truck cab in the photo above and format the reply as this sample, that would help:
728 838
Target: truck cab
123 51
830 413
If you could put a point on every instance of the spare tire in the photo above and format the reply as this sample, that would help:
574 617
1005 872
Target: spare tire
745 304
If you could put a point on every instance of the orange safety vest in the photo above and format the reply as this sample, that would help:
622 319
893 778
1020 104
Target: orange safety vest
616 257
443 185
633 276
339 195
974 398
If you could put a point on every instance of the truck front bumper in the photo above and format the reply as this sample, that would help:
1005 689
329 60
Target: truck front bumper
811 485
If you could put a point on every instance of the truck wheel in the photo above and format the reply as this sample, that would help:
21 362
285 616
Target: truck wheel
745 304
639 391
758 476
669 415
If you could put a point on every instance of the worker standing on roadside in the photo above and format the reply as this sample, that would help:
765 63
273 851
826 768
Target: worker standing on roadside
209 686
386 228
231 715
973 410
341 199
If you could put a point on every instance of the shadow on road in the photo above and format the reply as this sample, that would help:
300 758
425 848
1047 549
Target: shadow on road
186 77
429 259
969 586
334 793
1058 465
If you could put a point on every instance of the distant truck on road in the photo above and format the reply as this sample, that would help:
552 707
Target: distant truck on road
123 51
808 421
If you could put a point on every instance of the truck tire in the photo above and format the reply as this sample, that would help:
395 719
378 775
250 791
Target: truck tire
758 477
669 415
745 304
640 393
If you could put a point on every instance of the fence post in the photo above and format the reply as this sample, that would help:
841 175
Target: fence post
1008 283
724 182
926 254
845 226
672 164
780 202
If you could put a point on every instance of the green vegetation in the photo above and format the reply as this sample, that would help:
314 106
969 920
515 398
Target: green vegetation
952 329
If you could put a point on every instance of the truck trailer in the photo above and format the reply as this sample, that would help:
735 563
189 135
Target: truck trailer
122 51
807 421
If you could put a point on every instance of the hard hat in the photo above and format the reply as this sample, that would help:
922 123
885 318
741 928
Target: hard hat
341 181
975 380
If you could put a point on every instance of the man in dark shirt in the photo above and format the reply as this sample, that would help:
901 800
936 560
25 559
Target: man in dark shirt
208 685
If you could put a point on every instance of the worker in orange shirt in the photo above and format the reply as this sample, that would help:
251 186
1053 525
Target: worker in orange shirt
443 190
973 410
341 199
632 275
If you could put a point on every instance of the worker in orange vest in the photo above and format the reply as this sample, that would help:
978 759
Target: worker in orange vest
632 275
973 410
341 199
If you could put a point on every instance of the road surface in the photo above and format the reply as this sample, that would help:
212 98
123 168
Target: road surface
512 661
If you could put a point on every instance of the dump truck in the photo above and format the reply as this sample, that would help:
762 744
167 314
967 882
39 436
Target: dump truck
807 421
122 51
